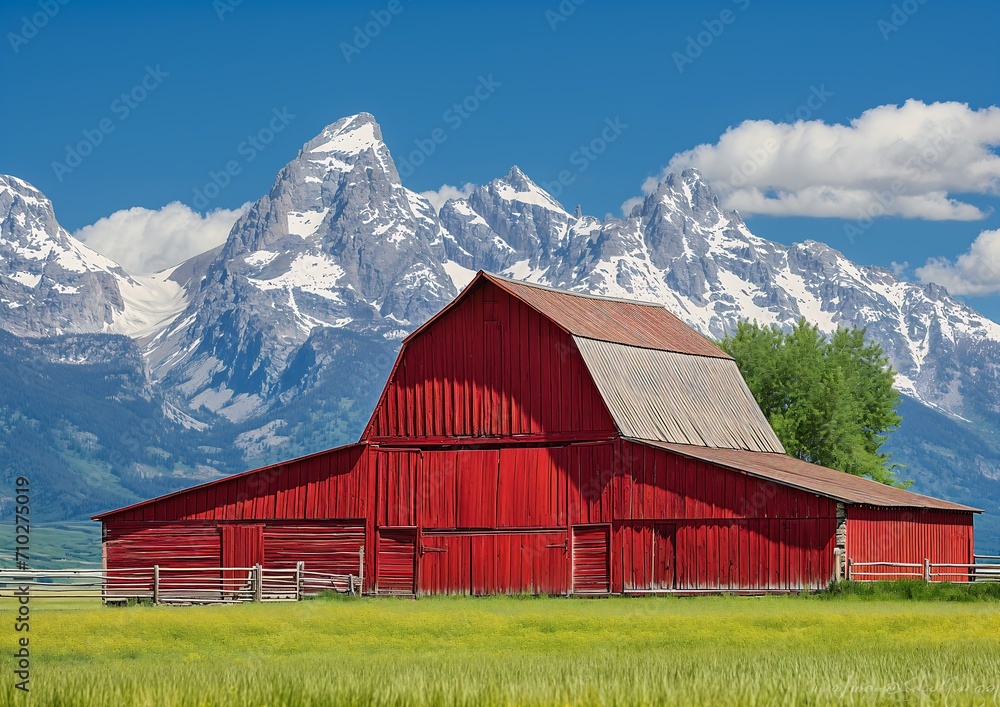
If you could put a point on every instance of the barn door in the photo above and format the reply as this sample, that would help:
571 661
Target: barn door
395 560
664 554
242 548
445 564
590 560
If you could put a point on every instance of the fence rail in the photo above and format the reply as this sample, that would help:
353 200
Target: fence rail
181 585
985 568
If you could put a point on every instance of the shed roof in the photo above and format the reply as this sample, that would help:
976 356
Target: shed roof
824 481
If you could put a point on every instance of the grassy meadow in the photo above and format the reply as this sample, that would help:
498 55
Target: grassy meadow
845 649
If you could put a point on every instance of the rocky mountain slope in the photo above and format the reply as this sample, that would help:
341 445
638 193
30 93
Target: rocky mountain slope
278 342
51 283
338 243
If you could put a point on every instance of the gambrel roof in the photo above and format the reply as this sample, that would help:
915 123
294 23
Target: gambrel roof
660 379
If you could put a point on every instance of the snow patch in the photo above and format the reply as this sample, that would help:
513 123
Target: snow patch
352 142
305 224
534 196
460 276
26 278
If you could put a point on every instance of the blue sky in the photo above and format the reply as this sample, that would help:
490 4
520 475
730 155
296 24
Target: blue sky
559 71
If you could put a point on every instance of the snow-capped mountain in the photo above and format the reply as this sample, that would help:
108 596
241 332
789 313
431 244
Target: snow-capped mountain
51 283
512 225
338 243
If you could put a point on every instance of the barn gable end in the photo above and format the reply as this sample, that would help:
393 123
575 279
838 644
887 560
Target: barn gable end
489 366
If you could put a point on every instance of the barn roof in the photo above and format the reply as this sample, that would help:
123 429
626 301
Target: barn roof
824 481
673 397
631 323
660 378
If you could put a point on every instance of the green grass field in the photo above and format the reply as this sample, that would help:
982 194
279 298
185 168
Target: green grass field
701 651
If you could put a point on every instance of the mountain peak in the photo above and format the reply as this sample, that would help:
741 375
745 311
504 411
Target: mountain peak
516 186
348 136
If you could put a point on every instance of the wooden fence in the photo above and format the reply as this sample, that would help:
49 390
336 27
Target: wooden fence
986 568
181 585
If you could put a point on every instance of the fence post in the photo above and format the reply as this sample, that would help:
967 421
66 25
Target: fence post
927 570
299 568
361 571
258 588
850 564
156 584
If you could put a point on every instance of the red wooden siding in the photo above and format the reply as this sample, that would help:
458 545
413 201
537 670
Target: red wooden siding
323 547
909 535
591 563
131 545
396 561
754 554
395 481
490 366
591 468
685 524
242 547
494 563
652 483
322 486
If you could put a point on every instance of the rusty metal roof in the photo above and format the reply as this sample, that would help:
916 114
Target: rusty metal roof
790 471
679 398
643 324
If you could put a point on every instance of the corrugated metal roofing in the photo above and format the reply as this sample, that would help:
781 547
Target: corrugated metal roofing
643 324
678 398
827 482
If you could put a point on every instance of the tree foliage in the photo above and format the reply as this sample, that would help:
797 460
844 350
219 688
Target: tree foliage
830 400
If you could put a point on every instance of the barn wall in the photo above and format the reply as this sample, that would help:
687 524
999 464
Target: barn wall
654 520
330 485
137 544
328 546
909 535
685 524
490 366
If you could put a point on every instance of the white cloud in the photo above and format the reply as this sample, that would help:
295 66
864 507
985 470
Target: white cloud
910 160
447 191
631 204
974 273
146 240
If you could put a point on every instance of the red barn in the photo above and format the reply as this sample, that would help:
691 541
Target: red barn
533 440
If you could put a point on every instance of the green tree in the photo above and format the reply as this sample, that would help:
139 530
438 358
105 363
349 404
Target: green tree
829 400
